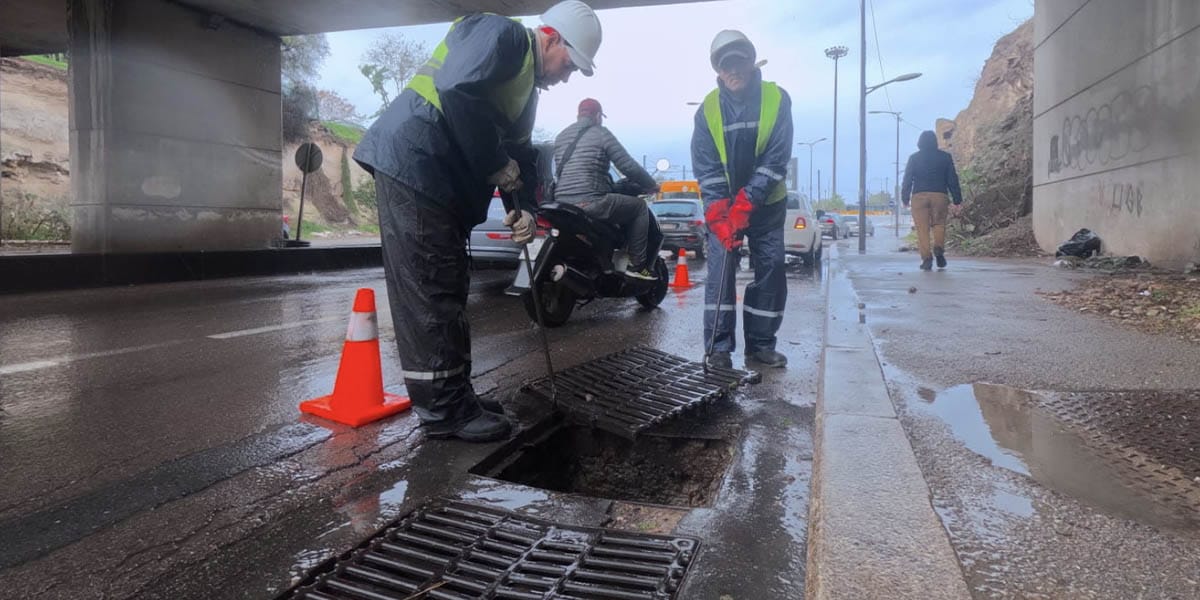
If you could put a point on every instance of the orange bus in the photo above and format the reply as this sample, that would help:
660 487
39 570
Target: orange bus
669 190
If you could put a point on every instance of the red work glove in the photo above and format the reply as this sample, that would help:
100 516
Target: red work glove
717 218
739 213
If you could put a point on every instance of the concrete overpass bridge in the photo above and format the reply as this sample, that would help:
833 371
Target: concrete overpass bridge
176 107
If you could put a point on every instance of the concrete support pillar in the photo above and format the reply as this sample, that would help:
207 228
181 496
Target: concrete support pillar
175 129
1117 125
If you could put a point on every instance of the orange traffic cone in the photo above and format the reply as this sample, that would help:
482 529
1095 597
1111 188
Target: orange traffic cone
681 271
358 396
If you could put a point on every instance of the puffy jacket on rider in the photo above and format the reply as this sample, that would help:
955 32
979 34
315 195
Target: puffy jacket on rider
586 175
739 112
448 155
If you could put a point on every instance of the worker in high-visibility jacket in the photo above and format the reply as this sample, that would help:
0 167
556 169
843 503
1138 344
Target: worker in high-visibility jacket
741 146
461 129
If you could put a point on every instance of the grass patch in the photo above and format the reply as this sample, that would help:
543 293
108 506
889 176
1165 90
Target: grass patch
347 133
369 228
1192 312
311 227
48 61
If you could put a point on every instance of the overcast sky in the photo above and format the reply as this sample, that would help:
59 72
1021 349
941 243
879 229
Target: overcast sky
654 60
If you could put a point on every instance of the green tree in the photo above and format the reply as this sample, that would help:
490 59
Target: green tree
837 202
389 62
879 199
300 63
301 58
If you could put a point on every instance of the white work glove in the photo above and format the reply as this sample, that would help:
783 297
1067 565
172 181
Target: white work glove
522 224
507 179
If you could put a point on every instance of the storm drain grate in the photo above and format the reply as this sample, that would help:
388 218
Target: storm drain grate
451 550
1149 436
628 391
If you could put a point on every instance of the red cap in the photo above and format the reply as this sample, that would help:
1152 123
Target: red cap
590 107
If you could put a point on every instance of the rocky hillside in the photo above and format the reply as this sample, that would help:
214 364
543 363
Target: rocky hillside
35 181
992 139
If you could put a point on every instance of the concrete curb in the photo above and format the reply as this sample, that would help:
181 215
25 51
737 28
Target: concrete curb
872 530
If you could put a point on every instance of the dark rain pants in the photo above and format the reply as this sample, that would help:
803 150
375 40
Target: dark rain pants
765 298
425 260
629 213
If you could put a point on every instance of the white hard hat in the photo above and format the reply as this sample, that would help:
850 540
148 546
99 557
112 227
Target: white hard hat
730 42
580 29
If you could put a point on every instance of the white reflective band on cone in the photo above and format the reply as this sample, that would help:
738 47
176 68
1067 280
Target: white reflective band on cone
724 307
432 375
363 327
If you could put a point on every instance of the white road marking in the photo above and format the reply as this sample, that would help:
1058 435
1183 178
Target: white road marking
268 329
62 360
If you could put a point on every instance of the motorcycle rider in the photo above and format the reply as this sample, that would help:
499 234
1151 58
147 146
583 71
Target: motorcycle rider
741 146
460 129
584 181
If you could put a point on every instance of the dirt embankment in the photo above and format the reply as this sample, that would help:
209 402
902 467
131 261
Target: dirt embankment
35 170
35 149
992 144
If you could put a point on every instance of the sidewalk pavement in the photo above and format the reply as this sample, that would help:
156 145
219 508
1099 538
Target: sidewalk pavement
993 491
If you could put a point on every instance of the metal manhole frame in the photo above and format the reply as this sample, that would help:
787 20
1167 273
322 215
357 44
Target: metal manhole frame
631 411
687 551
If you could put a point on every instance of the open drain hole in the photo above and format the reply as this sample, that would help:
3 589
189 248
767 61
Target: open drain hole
672 471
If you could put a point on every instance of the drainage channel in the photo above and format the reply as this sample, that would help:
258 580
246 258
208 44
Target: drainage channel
632 390
451 550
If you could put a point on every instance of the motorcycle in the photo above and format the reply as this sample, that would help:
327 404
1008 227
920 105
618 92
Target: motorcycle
582 259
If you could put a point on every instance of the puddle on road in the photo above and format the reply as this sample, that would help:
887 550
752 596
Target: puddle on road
1006 426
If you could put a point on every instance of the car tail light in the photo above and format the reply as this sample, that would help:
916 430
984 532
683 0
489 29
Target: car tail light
800 223
698 223
542 223
499 236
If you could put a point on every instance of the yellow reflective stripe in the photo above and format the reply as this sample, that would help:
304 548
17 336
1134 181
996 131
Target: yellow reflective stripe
509 98
768 114
712 115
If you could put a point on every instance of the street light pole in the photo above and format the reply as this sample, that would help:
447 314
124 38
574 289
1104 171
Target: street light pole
862 131
810 162
896 197
836 52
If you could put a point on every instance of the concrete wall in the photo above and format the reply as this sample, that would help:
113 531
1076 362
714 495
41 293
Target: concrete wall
175 129
1117 125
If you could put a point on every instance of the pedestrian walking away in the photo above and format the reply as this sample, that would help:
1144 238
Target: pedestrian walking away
741 145
583 153
930 174
461 129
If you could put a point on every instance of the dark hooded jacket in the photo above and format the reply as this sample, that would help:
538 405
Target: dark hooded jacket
448 155
739 114
930 170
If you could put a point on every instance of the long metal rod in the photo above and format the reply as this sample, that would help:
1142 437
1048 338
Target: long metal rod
537 306
712 339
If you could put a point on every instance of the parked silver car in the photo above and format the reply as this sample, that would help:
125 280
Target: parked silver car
491 242
852 226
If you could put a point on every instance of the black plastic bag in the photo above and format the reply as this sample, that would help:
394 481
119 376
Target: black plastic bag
1083 244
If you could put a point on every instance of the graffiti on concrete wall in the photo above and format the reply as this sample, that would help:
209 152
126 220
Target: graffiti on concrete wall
1122 198
1106 133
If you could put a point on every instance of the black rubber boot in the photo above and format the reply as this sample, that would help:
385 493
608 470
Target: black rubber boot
927 264
720 360
767 357
490 404
940 255
485 427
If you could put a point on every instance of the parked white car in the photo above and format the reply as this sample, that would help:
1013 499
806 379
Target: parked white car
801 232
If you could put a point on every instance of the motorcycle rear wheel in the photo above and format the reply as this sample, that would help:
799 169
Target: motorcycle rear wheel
654 297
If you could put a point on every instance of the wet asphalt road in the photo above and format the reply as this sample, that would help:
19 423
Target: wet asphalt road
152 446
